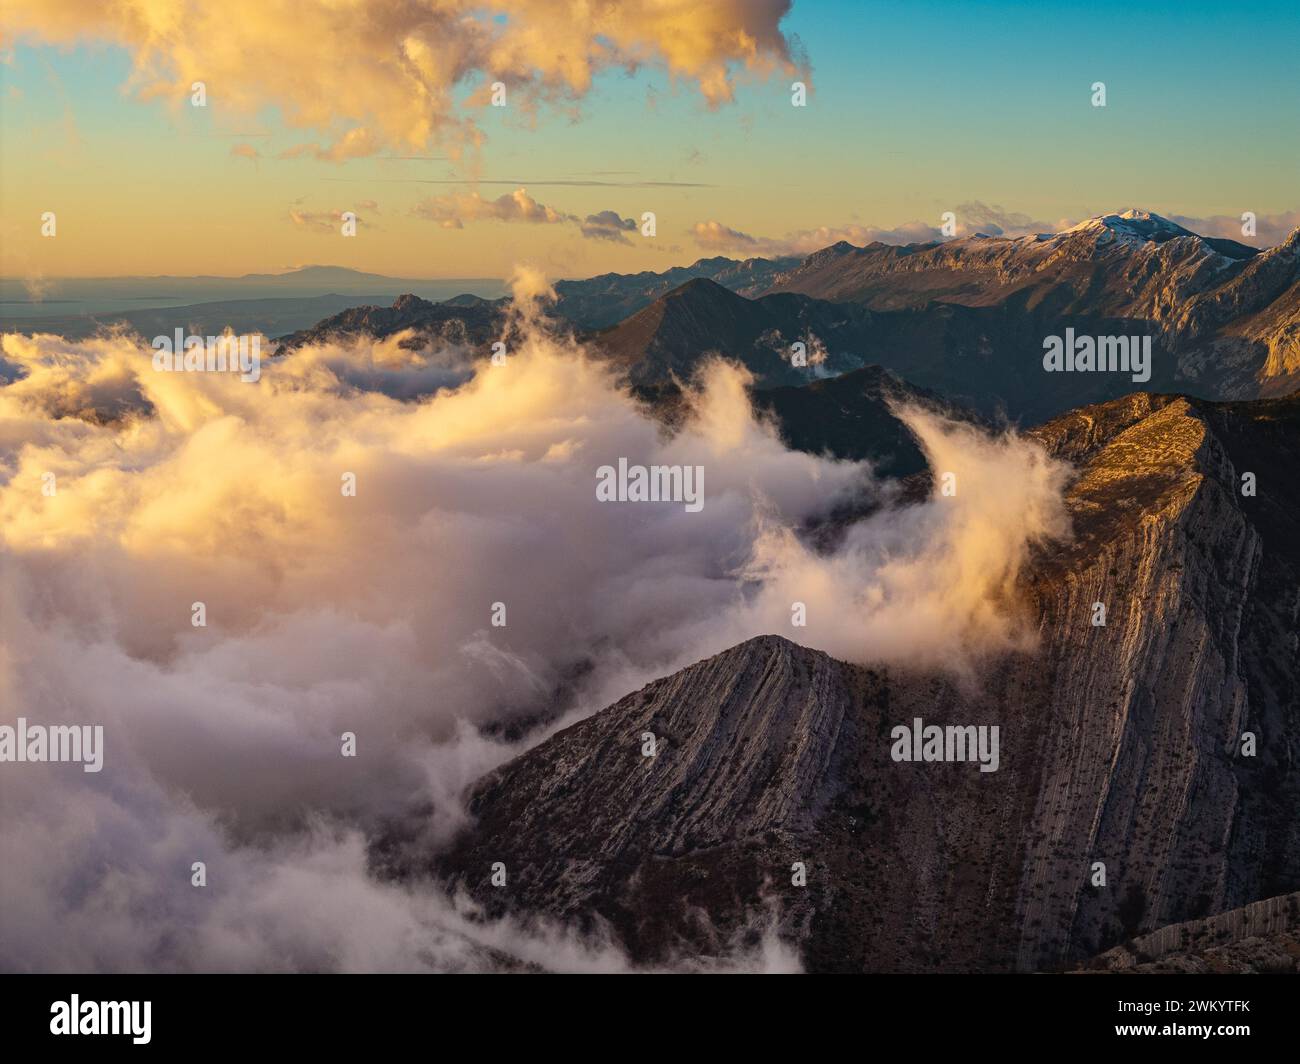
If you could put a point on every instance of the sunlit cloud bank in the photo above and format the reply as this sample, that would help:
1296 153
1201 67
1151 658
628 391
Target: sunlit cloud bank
1270 229
373 75
329 613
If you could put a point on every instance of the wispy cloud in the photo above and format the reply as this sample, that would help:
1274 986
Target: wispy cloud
715 236
37 286
324 221
352 145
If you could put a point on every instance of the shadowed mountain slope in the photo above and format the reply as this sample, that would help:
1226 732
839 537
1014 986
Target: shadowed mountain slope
598 302
672 337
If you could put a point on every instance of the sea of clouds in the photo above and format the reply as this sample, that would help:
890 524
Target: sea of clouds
371 614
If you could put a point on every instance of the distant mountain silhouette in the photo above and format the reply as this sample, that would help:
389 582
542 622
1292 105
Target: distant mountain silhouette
465 320
322 275
597 302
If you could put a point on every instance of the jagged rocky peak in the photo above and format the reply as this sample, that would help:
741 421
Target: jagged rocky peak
748 734
714 262
703 288
840 247
406 303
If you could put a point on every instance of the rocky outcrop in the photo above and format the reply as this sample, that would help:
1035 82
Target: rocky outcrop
464 321
603 815
1122 746
1262 937
1146 708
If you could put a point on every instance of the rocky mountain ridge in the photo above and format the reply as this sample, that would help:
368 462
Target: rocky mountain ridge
465 320
1122 744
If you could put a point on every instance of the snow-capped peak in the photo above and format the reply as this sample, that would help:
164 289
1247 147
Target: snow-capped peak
1132 227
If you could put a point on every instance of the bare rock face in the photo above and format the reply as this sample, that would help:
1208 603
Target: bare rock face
1262 937
1122 745
1147 706
593 816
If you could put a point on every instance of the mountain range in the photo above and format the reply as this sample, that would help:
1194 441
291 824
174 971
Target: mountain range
967 318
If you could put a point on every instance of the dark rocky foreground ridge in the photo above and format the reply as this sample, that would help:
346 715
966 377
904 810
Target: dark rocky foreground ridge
1119 744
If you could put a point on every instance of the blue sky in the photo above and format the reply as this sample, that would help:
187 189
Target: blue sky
917 107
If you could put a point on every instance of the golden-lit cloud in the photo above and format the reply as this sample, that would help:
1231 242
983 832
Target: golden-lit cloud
373 74
715 236
453 210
